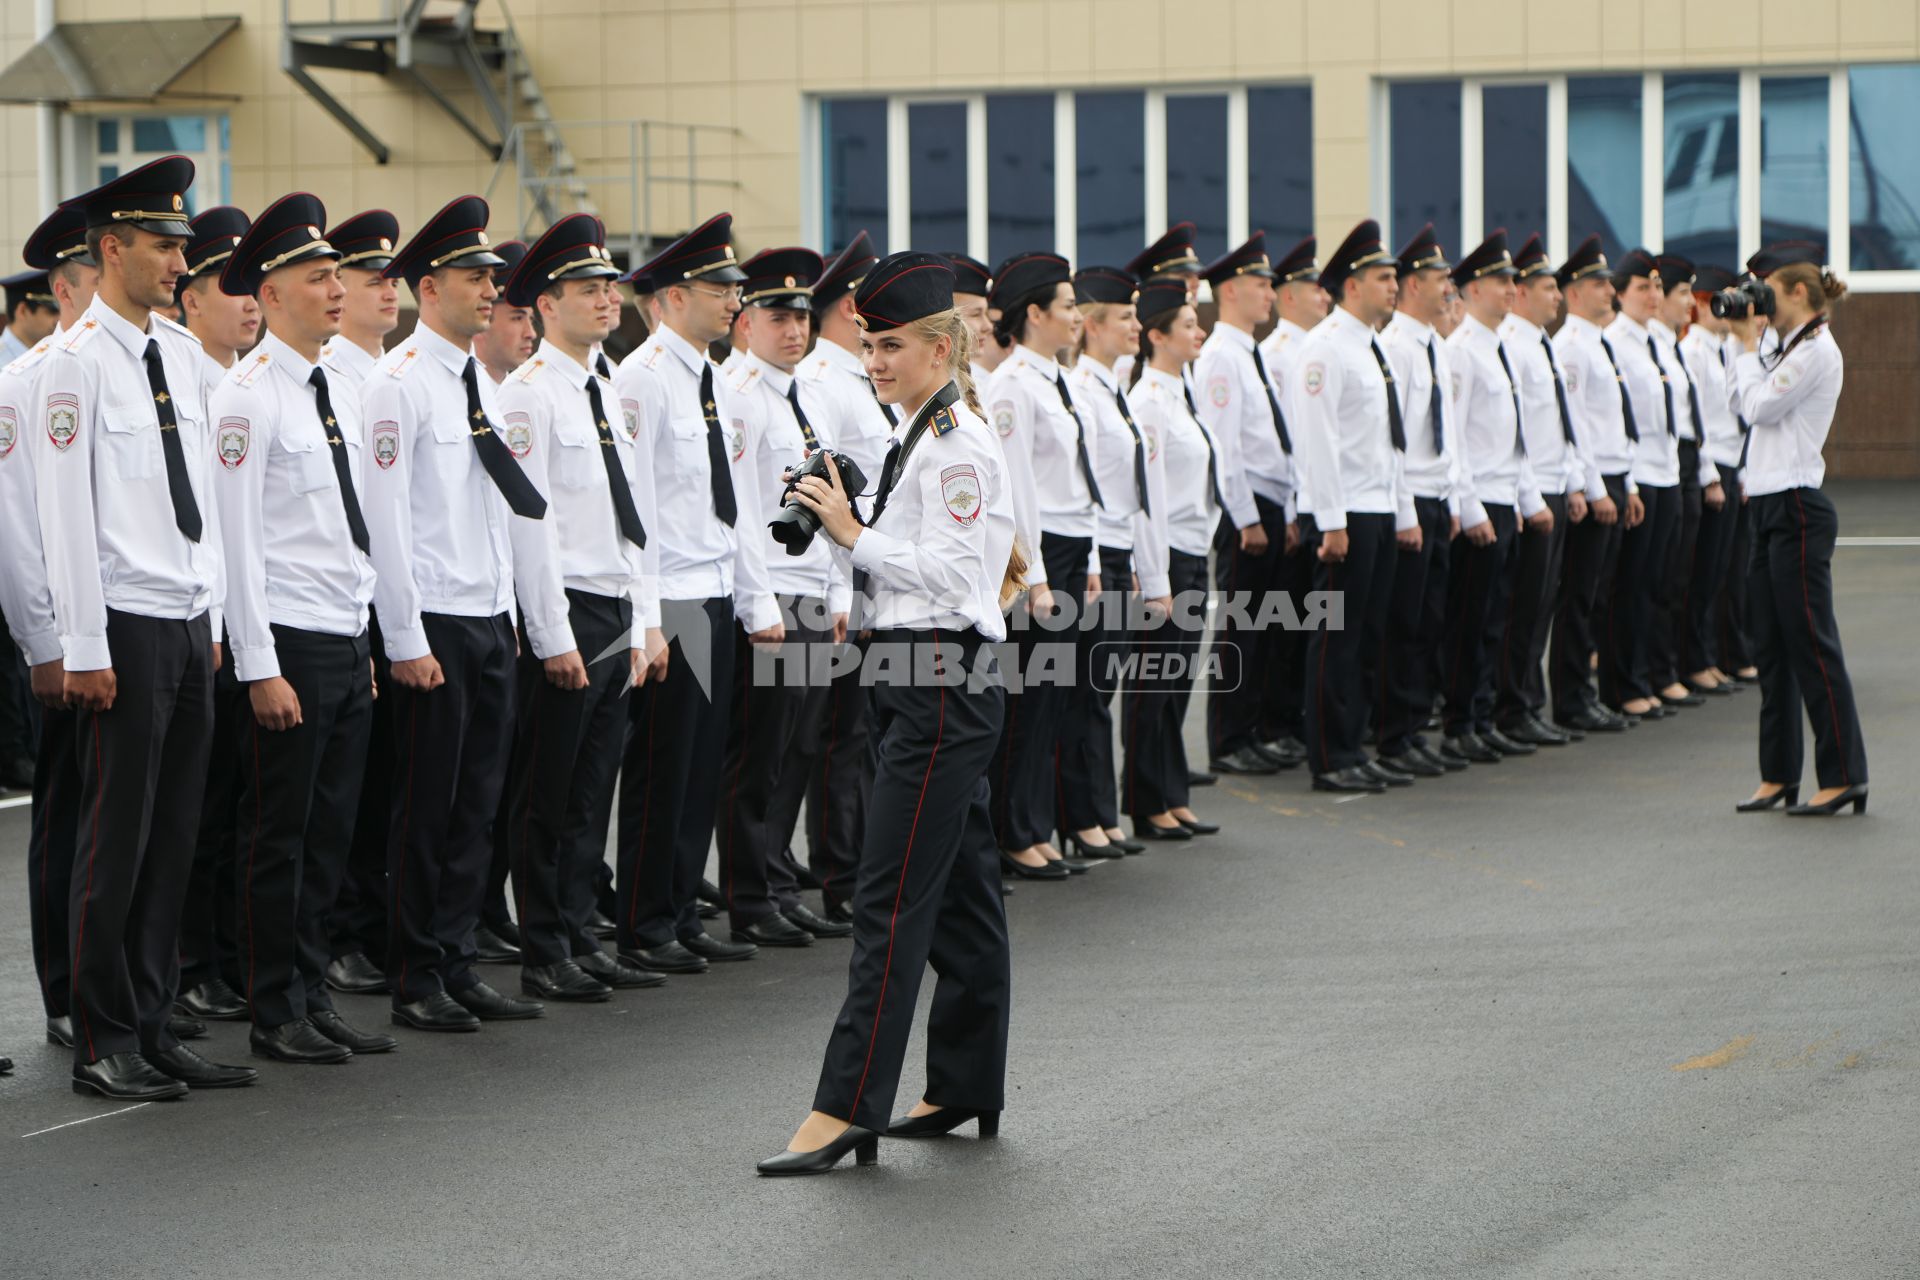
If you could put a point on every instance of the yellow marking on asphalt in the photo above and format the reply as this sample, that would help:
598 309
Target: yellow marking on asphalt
1805 1056
1720 1057
1851 1061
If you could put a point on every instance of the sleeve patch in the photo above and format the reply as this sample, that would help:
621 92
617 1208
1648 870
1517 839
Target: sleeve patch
63 420
739 439
960 489
518 432
9 430
1003 418
386 444
1783 379
1219 390
1314 378
231 439
630 418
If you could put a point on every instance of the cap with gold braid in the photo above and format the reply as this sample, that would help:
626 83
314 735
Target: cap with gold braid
286 234
62 237
1423 252
1250 259
1362 248
1532 259
455 237
1299 264
366 240
1587 260
30 287
703 254
574 248
152 198
511 254
1171 255
781 279
1489 259
844 271
216 233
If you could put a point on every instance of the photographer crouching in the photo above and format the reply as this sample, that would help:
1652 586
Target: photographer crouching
1787 397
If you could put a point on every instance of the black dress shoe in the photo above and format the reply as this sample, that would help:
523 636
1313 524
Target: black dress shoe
1411 764
213 1000
1522 732
1247 760
802 873
565 981
1504 745
60 1031
1199 828
438 1012
126 1077
1352 778
183 1027
1385 773
707 911
601 926
1124 845
1075 866
298 1041
356 975
195 1072
1466 746
505 930
1708 690
488 1005
1855 796
618 974
1084 851
1538 725
944 1121
1589 719
818 926
490 948
668 957
711 949
864 1143
709 892
1788 796
335 1028
1148 832
1287 752
1045 871
1684 700
1421 751
6 1065
840 912
1197 779
774 931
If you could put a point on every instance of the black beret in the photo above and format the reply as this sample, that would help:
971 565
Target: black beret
1162 297
970 275
1635 262
1674 271
1712 279
1783 254
1024 274
1104 284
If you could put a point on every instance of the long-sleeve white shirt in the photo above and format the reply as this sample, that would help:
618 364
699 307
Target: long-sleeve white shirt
1686 394
1656 459
1422 362
24 596
1189 461
1486 405
1789 410
1557 465
776 444
1124 523
348 366
1595 391
1711 365
1337 409
1233 403
1041 439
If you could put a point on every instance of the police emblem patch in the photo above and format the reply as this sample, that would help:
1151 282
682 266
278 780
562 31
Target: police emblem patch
518 434
630 418
386 444
231 440
739 439
9 431
1783 378
960 489
1003 419
1571 376
1456 384
1314 378
63 420
1218 391
1153 442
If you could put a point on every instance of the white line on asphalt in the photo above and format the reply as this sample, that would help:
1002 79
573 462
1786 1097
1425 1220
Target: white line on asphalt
1877 542
102 1116
14 802
1350 799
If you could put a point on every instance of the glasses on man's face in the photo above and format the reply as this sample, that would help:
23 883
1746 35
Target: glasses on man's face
725 295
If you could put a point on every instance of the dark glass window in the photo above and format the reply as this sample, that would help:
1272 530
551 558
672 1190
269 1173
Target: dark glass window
1424 160
1280 164
1883 167
1702 198
1603 161
1793 159
1197 169
853 169
1513 186
937 175
1019 174
1110 177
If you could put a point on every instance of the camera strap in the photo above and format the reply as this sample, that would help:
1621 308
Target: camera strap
897 455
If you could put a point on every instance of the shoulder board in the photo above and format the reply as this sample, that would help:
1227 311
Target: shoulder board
814 369
942 421
178 328
408 357
650 357
80 335
247 369
526 372
31 356
742 376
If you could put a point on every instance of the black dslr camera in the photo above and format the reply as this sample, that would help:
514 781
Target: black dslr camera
794 525
1755 296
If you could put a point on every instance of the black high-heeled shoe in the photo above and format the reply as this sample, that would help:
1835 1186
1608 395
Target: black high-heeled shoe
1200 828
1790 795
943 1121
1855 796
1085 850
1046 871
864 1143
1126 846
1147 831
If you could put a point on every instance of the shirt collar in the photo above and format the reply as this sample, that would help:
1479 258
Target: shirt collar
1419 330
1524 327
1171 381
1235 334
688 354
1039 361
282 357
455 358
835 354
102 316
563 364
344 351
1479 332
772 374
1660 327
1098 372
1631 326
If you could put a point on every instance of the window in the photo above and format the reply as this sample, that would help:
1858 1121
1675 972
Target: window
1702 151
1424 124
1197 170
1019 175
937 175
1883 169
122 143
1513 185
853 169
1603 161
1280 164
1110 163
1793 159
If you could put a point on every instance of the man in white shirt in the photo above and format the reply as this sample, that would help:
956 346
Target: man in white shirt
507 341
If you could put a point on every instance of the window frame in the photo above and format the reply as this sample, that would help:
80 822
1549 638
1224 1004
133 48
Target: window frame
210 164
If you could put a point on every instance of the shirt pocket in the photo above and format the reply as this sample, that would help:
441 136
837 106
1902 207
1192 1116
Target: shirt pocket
448 428
687 439
130 443
576 459
309 463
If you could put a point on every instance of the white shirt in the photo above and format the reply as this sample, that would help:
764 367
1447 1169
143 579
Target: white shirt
1486 405
289 550
1041 439
1338 412
776 444
347 365
106 518
1594 391
1789 410
937 555
1686 393
1556 464
547 418
1711 365
11 349
834 389
1124 523
1233 403
701 556
437 520
1417 353
1186 449
1656 459
24 596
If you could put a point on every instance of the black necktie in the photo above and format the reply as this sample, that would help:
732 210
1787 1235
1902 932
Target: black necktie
1693 397
1273 404
1080 443
337 444
625 514
1666 387
1213 460
893 419
1513 389
1626 401
723 502
600 364
186 511
522 498
1435 402
800 416
1139 449
1559 391
898 450
1396 429
1740 418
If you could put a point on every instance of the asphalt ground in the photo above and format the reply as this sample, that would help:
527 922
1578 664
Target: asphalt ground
1567 1016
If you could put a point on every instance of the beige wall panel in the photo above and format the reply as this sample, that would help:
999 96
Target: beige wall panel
1188 45
1563 34
1877 27
1342 33
764 49
1797 28
833 43
967 33
1620 32
899 45
1069 52
1721 28
633 49
1269 37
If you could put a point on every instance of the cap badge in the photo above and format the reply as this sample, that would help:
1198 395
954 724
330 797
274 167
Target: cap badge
385 243
178 204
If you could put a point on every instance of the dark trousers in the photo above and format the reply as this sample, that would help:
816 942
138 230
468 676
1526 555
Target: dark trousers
1796 642
1712 563
211 940
1665 639
56 815
928 893
1086 786
16 702
1476 605
772 738
1534 575
837 789
451 748
1236 678
1153 708
358 921
1732 623
299 794
1416 620
142 767
1626 670
670 774
1586 577
1282 652
1024 766
1338 701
